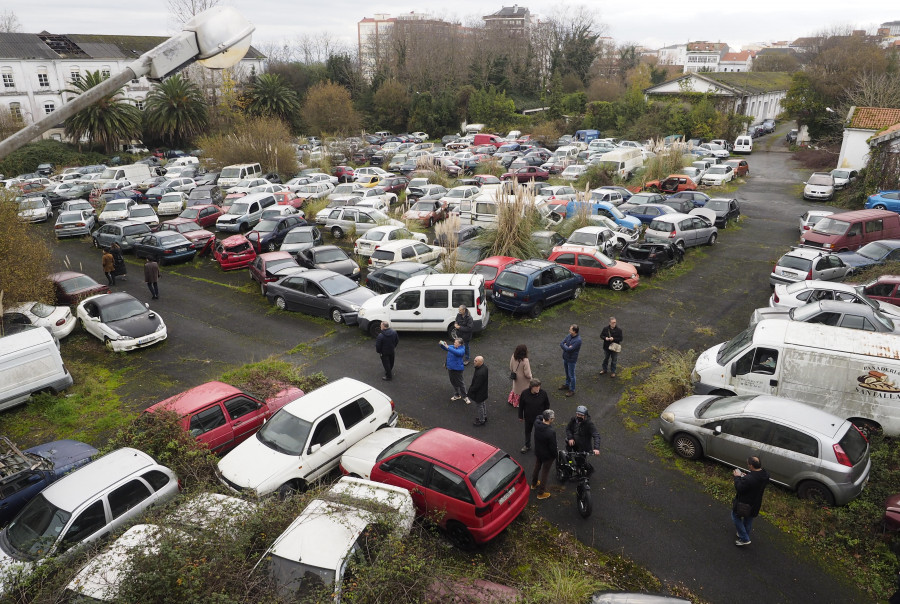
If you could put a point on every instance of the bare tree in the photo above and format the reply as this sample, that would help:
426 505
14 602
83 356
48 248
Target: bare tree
184 10
874 90
9 22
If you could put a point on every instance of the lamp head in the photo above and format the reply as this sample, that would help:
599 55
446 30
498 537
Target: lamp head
223 36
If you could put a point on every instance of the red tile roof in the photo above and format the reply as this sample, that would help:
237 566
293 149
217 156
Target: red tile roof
874 118
737 56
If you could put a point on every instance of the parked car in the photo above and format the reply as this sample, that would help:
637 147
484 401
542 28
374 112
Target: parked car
74 205
871 254
427 212
58 320
34 209
74 223
649 257
409 250
377 236
268 234
349 218
596 267
116 210
172 204
801 264
301 238
725 209
684 230
387 279
830 312
203 215
144 213
471 489
674 183
647 213
71 288
600 238
740 167
526 174
492 266
819 186
329 257
121 321
463 234
843 177
884 200
154 194
319 292
201 239
123 232
718 175
885 291
809 218
271 266
530 285
801 293
821 456
546 241
234 252
221 416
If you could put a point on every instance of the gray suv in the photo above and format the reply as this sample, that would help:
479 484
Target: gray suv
821 456
803 263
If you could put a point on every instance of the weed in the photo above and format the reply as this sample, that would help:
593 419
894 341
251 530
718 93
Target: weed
267 377
668 382
705 330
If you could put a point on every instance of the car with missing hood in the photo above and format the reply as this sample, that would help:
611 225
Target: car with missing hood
234 252
649 257
121 321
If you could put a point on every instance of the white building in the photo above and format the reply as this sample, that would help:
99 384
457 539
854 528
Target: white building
675 54
37 70
371 34
704 56
736 61
862 126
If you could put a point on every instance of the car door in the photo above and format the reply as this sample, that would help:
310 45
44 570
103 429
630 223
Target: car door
325 447
210 427
425 254
89 523
93 325
316 300
245 415
359 420
756 372
592 269
435 311
406 313
740 437
409 472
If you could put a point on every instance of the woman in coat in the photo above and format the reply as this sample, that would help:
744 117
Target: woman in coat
519 365
118 260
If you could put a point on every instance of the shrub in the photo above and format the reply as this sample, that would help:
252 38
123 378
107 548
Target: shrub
667 161
595 176
265 140
265 378
27 158
517 219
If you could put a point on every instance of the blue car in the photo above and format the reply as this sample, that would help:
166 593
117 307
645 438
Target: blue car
530 285
871 254
604 208
697 197
884 200
649 212
26 473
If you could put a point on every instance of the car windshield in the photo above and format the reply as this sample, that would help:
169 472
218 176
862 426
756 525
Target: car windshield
116 206
423 206
460 193
169 198
266 226
187 227
69 217
121 309
330 255
303 236
295 579
374 235
795 262
496 478
583 238
513 281
79 206
285 433
42 310
821 179
874 251
31 204
718 170
486 271
661 226
717 204
725 405
77 283
468 254
733 346
191 213
200 193
36 527
337 285
239 208
489 180
139 212
136 229
830 226
840 173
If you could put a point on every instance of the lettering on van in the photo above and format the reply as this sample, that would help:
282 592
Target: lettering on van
879 382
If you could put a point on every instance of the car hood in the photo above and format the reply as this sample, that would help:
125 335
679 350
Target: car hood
63 454
136 327
855 260
709 214
344 267
293 248
252 463
357 296
684 408
225 217
10 566
416 214
361 457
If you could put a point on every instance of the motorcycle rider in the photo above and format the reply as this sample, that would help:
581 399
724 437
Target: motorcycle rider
582 435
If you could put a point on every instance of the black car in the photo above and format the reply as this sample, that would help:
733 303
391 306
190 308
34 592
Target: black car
45 169
273 178
206 195
165 247
650 257
465 233
210 178
124 194
329 257
388 278
725 209
154 194
319 292
268 234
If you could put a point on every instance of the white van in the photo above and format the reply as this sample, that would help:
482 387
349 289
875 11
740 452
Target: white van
186 160
851 373
29 363
427 303
743 144
132 172
232 175
622 162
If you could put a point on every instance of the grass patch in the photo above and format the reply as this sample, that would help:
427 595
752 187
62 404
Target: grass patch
248 288
872 274
705 330
668 381
305 347
267 377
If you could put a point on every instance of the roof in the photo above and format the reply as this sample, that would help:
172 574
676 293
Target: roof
886 135
874 118
752 82
808 416
826 337
196 397
458 450
704 46
509 11
737 56
71 490
328 397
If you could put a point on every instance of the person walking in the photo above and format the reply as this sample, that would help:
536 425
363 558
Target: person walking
478 391
119 269
455 367
151 277
464 326
749 488
520 373
385 345
612 346
109 267
544 452
571 345
532 404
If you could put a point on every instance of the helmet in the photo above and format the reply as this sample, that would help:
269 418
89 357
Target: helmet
581 410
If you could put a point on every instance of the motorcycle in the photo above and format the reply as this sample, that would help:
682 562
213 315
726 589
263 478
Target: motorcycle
574 465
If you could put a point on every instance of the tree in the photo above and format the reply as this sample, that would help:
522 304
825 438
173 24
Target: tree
176 111
491 107
107 121
185 10
9 123
24 259
776 61
873 90
392 106
9 22
805 104
328 109
269 95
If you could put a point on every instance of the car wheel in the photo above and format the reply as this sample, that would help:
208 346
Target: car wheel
680 246
337 233
880 206
460 536
280 303
96 243
687 446
336 316
374 328
816 492
244 227
290 488
536 310
712 239
108 343
578 291
271 246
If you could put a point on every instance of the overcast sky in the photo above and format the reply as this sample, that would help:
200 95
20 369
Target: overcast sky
652 23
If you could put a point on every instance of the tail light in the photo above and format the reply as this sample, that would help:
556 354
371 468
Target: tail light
169 252
672 235
344 472
483 511
61 322
775 298
370 261
478 306
809 274
392 405
841 456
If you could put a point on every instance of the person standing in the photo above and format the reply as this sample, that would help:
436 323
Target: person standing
612 345
478 391
119 269
109 267
455 367
571 345
151 277
520 372
385 345
532 404
544 452
749 488
464 326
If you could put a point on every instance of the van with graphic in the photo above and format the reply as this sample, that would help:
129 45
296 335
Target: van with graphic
851 373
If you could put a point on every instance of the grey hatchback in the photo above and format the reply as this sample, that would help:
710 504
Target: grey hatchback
123 232
803 263
683 230
821 456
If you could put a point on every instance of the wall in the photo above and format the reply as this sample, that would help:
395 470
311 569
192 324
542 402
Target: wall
854 148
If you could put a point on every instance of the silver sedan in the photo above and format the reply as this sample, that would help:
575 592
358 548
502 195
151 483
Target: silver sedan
74 223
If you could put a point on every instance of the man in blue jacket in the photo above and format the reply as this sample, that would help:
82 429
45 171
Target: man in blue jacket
455 367
570 347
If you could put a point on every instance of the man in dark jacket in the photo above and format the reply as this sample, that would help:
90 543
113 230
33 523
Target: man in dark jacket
611 334
385 344
151 277
464 326
532 403
544 452
478 391
581 434
749 488
571 346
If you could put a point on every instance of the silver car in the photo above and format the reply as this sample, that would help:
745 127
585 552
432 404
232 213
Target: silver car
353 218
801 264
821 456
829 312
684 230
804 292
74 223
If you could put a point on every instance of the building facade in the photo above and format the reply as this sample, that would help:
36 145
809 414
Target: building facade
704 56
862 126
514 20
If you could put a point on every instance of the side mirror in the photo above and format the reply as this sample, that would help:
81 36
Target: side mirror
146 305
733 370
321 296
804 182
315 448
717 431
393 307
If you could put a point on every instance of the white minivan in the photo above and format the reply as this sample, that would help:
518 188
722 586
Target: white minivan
743 144
232 175
29 363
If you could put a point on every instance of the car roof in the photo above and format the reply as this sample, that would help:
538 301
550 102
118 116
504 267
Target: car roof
113 298
443 280
889 243
398 243
72 490
807 252
196 397
888 279
323 399
402 267
811 418
591 229
270 256
497 261
843 306
532 265
673 217
572 248
458 450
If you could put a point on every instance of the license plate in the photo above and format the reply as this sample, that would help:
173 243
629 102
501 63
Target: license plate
508 294
506 497
145 340
181 249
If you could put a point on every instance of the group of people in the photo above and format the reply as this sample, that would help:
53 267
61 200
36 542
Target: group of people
113 263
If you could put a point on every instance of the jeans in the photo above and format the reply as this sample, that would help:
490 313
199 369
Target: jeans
466 354
540 474
387 360
569 367
456 380
743 526
154 289
610 359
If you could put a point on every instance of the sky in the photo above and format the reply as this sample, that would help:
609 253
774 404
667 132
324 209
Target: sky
650 23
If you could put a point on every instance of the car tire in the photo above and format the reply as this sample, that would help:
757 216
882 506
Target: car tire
617 284
374 328
280 303
578 291
108 344
815 492
879 206
712 239
290 488
270 247
535 311
336 316
460 536
687 446
680 245
337 233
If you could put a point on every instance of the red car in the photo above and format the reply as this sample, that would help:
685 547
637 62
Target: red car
884 289
526 174
426 211
288 198
201 239
71 287
489 268
221 416
234 252
470 488
596 267
394 184
674 183
271 266
741 167
203 215
343 173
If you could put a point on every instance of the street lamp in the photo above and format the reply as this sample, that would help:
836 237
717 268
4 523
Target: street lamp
218 38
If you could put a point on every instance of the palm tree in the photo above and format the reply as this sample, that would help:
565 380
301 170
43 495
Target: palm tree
175 111
109 120
269 95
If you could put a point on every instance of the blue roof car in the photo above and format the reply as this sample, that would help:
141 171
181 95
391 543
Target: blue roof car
884 200
872 254
530 285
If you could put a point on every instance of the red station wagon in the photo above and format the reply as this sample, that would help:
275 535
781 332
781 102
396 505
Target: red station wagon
204 215
490 267
221 416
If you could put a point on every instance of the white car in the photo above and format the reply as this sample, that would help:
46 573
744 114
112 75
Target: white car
359 459
599 238
316 190
277 211
120 321
422 136
370 171
800 293
245 185
319 544
405 250
373 238
145 214
573 172
714 149
322 177
269 188
718 175
455 196
373 201
171 204
117 209
185 185
809 219
58 320
34 209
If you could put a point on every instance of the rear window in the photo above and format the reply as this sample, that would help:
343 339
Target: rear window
488 272
496 478
513 281
136 229
382 255
659 225
854 445
800 264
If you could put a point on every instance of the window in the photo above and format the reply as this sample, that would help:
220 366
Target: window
88 522
856 322
43 79
874 226
139 103
407 301
104 72
127 496
565 259
765 361
354 413
560 274
794 440
8 81
75 75
880 289
156 479
49 108
326 431
410 252
436 298
450 484
206 420
240 406
16 110
409 467
463 297
826 318
589 261
751 428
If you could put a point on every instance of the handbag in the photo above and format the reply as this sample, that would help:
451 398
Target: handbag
615 347
512 374
742 510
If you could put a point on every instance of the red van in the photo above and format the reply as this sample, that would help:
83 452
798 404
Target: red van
852 230
488 139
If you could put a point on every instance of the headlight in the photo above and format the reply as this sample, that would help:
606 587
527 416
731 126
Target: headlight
355 270
695 377
354 307
161 327
362 312
668 417
634 275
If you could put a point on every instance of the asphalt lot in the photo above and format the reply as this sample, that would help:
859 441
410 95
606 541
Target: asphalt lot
643 508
